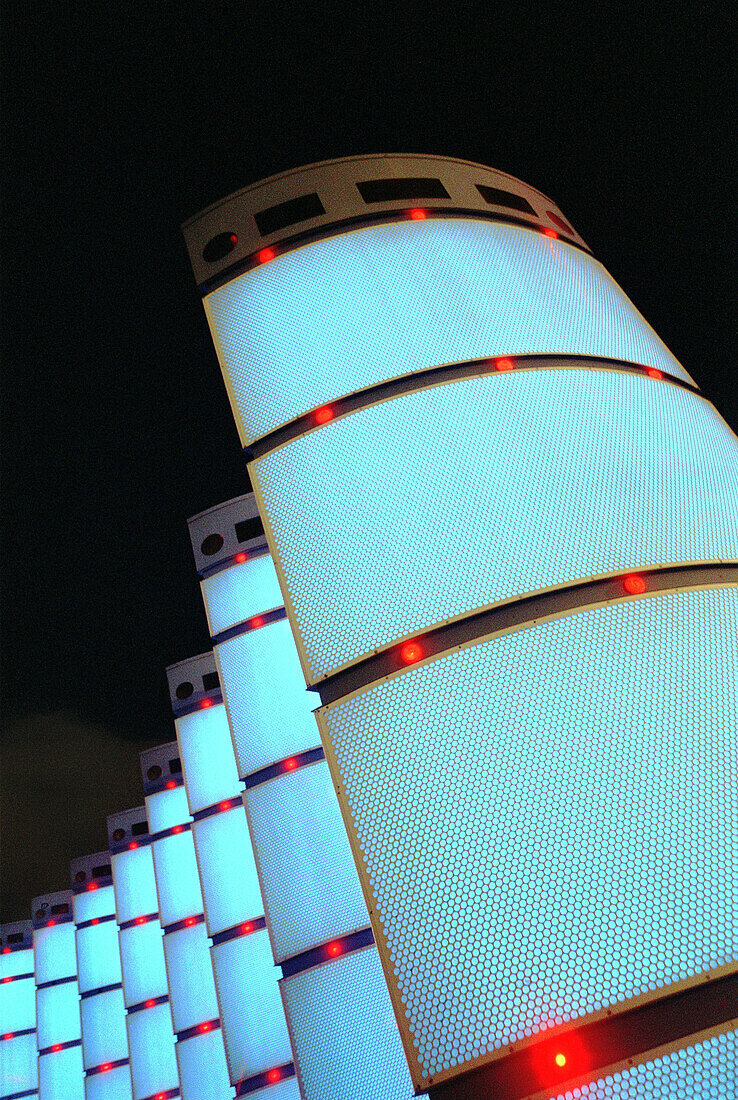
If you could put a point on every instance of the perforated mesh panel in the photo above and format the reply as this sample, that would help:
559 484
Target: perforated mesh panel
284 1090
54 952
237 593
104 1037
190 976
98 955
350 311
345 1037
228 875
547 818
704 1071
115 1085
18 1002
57 1014
93 903
270 712
206 752
310 886
18 1065
177 878
151 1043
18 962
61 1075
134 883
203 1073
448 499
142 962
167 808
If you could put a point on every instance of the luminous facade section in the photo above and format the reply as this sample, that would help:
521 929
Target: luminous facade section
18 1052
58 1025
349 312
562 789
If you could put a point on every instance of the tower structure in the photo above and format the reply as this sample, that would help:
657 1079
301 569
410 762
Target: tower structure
504 521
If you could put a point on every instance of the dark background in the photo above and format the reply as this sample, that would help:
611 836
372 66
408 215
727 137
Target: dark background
123 120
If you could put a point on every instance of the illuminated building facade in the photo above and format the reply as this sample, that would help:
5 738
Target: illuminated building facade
504 522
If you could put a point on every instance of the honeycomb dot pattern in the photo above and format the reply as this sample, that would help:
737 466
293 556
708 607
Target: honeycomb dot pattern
347 312
704 1071
546 819
449 499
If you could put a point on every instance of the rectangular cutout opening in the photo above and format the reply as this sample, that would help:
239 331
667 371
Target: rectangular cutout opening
495 197
102 871
210 681
394 189
139 828
175 766
58 910
249 529
288 213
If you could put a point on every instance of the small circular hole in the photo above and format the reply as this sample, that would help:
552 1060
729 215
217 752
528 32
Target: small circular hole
154 772
211 545
184 690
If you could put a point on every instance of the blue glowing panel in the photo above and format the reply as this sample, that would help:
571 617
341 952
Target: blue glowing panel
61 1075
345 1038
270 712
206 752
91 903
252 1016
447 500
288 1089
177 881
114 1085
98 955
350 311
104 1036
309 881
57 1014
704 1071
190 974
18 1000
236 594
134 883
203 1073
166 809
18 1064
551 802
230 884
16 962
142 958
151 1043
54 952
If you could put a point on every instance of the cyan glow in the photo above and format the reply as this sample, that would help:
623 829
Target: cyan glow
177 880
240 592
104 1037
283 1090
445 500
57 1014
206 752
703 1071
167 808
61 1075
54 952
203 1073
230 884
93 903
253 1022
309 881
17 962
98 956
270 712
134 883
142 959
190 974
151 1043
345 1037
350 311
18 1064
115 1085
553 802
18 1002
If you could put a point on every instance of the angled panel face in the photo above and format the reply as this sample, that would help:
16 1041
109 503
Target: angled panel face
177 880
98 955
114 1085
351 311
18 1001
151 1043
57 1010
195 1054
190 973
142 958
567 792
104 1037
135 884
344 1034
443 501
61 1075
55 952
228 875
166 809
93 902
206 751
310 886
18 1065
233 595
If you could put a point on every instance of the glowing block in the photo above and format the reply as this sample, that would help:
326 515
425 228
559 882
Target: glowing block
61 1074
177 881
230 884
18 1064
311 889
271 713
194 1054
151 1043
167 808
142 958
104 1036
350 311
18 1000
57 1011
483 498
98 955
206 752
114 1085
93 903
190 974
55 953
254 1026
235 594
345 1038
287 1089
134 883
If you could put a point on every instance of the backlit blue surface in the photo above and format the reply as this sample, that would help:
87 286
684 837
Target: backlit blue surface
142 959
309 881
18 1002
231 891
252 1016
134 883
57 1014
104 1037
61 1075
17 962
167 808
115 1085
349 311
283 1090
547 818
151 1043
55 953
190 974
270 711
98 955
702 1071
203 1072
18 1064
206 752
449 499
177 880
93 903
239 592
344 1031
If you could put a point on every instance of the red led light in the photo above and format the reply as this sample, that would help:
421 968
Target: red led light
176 828
5 980
410 652
140 920
203 1027
206 703
189 921
150 1003
241 557
418 215
95 920
49 924
8 1035
6 950
550 233
257 622
653 373
247 927
105 1067
290 764
560 1060
224 806
273 1075
160 1096
132 845
504 364
334 949
56 1047
323 415
171 784
634 584
265 255
233 238
92 886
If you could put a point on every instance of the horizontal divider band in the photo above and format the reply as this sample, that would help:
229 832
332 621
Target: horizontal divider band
198 1029
104 919
245 928
100 989
105 1067
186 922
144 918
57 981
221 807
209 699
254 623
267 1077
55 1048
326 952
150 1002
289 764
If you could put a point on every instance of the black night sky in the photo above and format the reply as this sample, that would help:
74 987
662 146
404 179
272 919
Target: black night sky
121 121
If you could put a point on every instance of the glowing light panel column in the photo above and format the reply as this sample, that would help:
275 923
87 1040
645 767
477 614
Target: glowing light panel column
61 1074
18 1053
